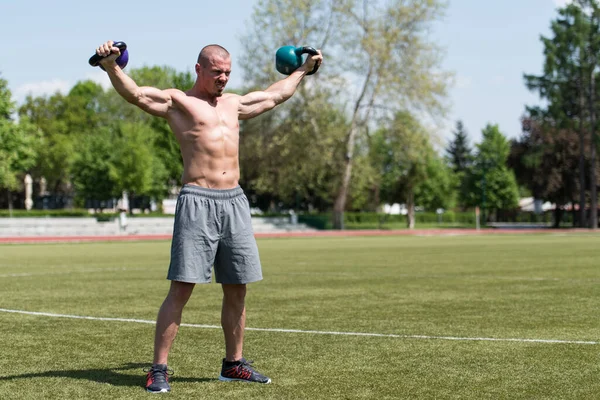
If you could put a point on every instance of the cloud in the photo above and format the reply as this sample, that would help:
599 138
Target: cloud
42 88
48 88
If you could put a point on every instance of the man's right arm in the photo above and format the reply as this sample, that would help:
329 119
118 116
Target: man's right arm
152 100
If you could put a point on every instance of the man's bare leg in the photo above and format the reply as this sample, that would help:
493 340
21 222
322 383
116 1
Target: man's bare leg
233 320
169 319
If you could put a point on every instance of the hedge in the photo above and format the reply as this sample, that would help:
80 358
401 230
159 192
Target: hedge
370 220
45 213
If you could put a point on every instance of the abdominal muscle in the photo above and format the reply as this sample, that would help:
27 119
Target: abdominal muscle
211 173
210 158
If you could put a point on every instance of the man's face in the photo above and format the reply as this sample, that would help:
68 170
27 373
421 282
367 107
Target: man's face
215 74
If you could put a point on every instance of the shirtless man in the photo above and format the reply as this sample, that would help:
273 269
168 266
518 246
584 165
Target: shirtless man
212 217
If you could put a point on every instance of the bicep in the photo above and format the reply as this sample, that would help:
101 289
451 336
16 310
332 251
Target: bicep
256 103
154 101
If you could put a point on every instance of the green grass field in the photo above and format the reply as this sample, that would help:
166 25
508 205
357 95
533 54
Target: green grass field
543 287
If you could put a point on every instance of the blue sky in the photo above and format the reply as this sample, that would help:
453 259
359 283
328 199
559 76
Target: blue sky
490 44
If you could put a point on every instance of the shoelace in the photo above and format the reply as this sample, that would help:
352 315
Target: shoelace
248 370
243 369
159 374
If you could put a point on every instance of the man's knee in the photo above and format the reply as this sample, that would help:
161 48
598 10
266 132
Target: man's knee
234 293
180 293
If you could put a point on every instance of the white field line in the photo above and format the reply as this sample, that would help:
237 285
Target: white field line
384 335
414 276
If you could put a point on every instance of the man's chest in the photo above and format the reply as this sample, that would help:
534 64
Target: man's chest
206 116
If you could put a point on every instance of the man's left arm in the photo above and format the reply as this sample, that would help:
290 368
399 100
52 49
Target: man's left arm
256 103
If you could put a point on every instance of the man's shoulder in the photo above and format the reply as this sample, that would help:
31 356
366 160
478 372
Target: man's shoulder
231 99
175 92
230 96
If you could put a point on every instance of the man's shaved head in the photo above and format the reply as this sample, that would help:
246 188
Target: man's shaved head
212 50
213 69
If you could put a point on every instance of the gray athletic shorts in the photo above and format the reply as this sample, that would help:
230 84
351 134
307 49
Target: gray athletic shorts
213 226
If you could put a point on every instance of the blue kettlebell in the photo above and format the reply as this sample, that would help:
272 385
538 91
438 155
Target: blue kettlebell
289 58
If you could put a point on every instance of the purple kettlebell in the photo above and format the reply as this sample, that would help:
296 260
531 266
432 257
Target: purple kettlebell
121 61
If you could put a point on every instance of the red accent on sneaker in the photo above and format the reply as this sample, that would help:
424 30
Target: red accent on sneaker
152 375
150 378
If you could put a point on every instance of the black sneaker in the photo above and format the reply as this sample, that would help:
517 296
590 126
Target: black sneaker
241 371
157 380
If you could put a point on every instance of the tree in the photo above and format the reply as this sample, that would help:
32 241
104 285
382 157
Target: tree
294 159
378 61
492 185
460 158
18 143
365 186
7 106
569 84
458 151
592 11
64 121
84 111
91 170
386 47
17 154
404 155
545 160
57 152
439 189
134 166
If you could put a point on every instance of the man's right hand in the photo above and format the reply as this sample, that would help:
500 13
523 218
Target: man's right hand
109 54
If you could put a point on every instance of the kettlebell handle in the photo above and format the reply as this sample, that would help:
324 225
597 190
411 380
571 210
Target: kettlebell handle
95 59
313 52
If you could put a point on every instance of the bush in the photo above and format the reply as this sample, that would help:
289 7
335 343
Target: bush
102 217
45 213
317 221
105 217
372 220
